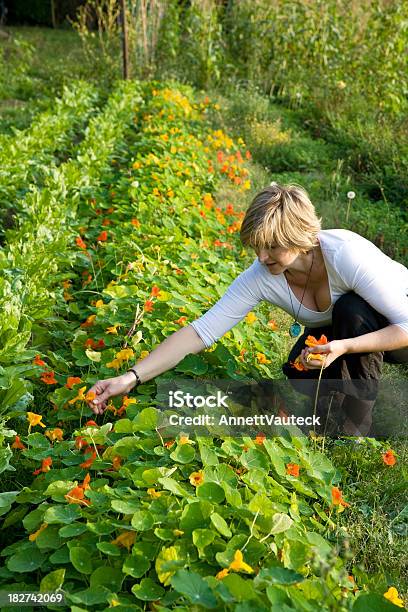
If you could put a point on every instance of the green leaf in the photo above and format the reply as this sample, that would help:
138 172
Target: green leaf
211 492
196 515
276 455
62 514
280 522
241 589
52 581
108 549
146 420
175 487
135 566
221 525
26 561
202 538
278 575
81 559
125 507
372 602
147 590
109 577
143 520
184 453
192 364
69 531
194 587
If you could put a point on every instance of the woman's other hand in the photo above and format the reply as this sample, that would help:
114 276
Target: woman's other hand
110 387
330 351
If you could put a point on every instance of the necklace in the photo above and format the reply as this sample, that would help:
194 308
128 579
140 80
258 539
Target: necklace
295 328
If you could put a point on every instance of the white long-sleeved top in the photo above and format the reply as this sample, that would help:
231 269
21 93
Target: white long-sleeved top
353 263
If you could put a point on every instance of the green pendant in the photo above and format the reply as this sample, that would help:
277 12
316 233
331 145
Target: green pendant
295 329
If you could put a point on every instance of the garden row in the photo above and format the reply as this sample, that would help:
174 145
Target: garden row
27 157
119 514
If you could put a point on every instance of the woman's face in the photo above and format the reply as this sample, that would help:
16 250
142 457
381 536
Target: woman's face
277 259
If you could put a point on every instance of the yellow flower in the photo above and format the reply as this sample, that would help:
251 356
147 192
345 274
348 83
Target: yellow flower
113 329
125 354
153 493
178 532
246 185
80 397
55 434
251 318
222 574
196 478
184 439
125 539
115 363
33 536
239 564
393 597
34 419
99 303
137 165
262 358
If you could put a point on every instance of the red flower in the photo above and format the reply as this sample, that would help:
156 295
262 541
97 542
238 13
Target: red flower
71 381
48 378
292 469
38 361
103 236
45 466
155 291
181 320
260 438
389 457
148 306
80 243
88 462
80 443
18 443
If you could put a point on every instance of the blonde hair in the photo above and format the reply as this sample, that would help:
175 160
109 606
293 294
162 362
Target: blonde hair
281 215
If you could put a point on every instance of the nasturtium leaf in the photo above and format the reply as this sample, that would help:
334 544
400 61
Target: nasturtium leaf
194 587
192 364
164 534
255 458
93 355
212 492
26 561
135 566
58 489
220 525
52 581
147 590
296 553
60 556
125 506
278 575
124 426
183 454
108 549
196 515
81 559
152 475
74 529
276 455
208 455
6 500
241 588
175 487
62 514
372 602
280 522
91 597
101 527
232 495
146 420
108 577
49 538
142 520
202 538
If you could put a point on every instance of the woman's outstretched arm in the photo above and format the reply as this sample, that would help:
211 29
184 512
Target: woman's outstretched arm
164 357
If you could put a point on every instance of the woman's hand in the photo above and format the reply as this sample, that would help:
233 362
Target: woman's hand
110 387
330 351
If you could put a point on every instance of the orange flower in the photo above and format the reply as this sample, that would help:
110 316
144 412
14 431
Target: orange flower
88 462
18 443
34 419
260 438
80 396
77 496
90 396
33 536
103 236
116 462
80 442
48 378
272 325
169 443
389 457
106 222
55 434
38 361
71 381
91 423
222 574
135 222
337 498
45 466
89 321
125 539
181 321
80 243
148 306
311 340
155 291
292 469
196 478
298 364
248 155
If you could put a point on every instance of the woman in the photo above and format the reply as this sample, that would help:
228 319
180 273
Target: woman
334 282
